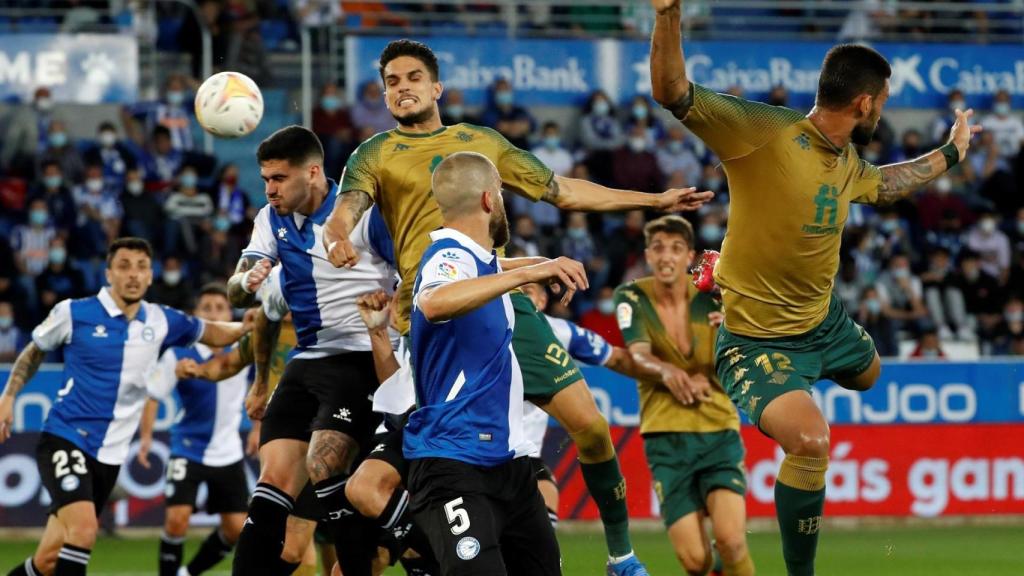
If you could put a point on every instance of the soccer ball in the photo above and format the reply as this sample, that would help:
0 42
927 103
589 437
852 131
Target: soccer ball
229 105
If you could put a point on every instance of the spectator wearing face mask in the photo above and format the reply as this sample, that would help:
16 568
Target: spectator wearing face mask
554 155
944 299
711 230
114 155
58 281
12 339
31 241
333 125
634 165
939 199
711 179
928 346
189 212
26 132
601 318
944 121
173 112
579 244
162 162
142 213
232 202
902 295
675 156
503 114
642 114
52 189
524 236
1006 128
370 111
982 294
871 317
454 109
60 149
1009 334
991 245
893 235
600 135
170 290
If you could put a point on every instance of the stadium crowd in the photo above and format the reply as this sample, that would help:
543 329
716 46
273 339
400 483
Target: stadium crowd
948 266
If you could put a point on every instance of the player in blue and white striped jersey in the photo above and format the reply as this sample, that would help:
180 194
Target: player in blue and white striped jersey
320 418
465 441
111 344
205 446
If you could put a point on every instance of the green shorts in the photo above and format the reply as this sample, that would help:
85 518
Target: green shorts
686 466
755 371
546 366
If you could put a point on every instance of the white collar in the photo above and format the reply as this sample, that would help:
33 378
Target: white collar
108 303
467 242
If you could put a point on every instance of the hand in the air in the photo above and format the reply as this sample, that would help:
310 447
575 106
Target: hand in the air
962 131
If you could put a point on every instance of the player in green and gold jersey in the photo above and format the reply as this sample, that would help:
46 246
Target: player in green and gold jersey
791 180
394 169
693 445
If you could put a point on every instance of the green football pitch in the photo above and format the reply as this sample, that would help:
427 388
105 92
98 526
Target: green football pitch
899 550
904 551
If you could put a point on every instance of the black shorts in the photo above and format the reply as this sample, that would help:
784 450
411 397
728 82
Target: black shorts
387 446
330 393
227 487
71 475
484 520
541 471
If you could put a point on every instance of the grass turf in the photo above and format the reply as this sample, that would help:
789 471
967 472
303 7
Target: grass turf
906 551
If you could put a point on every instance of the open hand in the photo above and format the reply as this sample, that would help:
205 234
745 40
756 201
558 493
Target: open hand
682 199
962 131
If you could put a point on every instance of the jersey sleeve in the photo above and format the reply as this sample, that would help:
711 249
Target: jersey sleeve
444 267
866 183
182 329
733 127
629 317
520 170
362 167
583 345
161 381
272 297
55 331
263 243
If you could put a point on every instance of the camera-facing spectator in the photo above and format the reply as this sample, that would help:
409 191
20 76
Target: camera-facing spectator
27 127
674 156
524 236
189 212
454 109
635 166
928 346
503 114
642 114
31 241
1008 338
111 153
870 315
982 294
163 162
711 229
370 111
60 149
174 112
1005 127
52 189
991 245
142 214
58 281
232 202
942 124
893 234
333 125
943 297
170 289
902 295
12 339
600 134
939 199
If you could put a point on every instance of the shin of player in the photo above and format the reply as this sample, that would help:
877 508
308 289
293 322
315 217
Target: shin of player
87 432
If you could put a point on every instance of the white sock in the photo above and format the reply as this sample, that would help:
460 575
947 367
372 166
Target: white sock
621 559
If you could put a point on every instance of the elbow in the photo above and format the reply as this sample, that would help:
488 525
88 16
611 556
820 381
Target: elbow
432 311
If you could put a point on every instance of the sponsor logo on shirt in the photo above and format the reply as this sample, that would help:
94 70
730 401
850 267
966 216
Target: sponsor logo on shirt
624 314
100 331
281 232
343 414
148 334
447 270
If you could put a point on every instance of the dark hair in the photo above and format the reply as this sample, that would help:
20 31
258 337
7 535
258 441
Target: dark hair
670 224
106 125
550 124
295 144
848 71
128 243
413 49
213 288
161 131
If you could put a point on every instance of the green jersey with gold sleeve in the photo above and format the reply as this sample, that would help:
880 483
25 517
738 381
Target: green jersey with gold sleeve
659 410
395 169
789 192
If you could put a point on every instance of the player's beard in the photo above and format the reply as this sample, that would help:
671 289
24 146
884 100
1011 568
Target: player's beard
863 132
499 227
414 118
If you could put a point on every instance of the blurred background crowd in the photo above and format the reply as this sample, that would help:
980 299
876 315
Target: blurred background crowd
944 270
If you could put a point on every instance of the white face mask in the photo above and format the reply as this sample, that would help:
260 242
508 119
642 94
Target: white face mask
944 185
135 187
172 277
94 184
987 225
637 144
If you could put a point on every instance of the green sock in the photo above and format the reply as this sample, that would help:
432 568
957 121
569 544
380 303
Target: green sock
799 502
716 560
608 489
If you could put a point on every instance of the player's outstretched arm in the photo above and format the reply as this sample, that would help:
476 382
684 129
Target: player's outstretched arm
220 334
669 85
622 361
375 310
349 208
25 367
901 180
455 299
220 367
580 195
249 274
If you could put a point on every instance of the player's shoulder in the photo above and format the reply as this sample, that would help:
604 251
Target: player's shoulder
475 130
372 146
631 291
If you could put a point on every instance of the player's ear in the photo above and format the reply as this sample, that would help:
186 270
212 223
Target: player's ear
438 91
864 104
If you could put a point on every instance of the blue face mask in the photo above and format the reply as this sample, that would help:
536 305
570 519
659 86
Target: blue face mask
189 180
175 97
221 224
601 107
577 233
38 217
675 146
503 98
330 103
455 110
6 322
874 306
639 111
606 306
58 139
711 233
552 142
53 182
58 255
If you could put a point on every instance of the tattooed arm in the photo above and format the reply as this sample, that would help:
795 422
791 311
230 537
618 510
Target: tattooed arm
249 274
264 339
900 180
350 207
24 368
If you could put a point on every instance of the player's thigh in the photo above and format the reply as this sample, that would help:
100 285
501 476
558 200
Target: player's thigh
73 478
228 489
528 542
182 482
344 385
728 512
464 534
795 422
848 352
673 461
545 364
283 465
292 407
690 542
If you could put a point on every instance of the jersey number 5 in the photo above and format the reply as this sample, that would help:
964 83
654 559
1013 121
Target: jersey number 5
457 517
60 463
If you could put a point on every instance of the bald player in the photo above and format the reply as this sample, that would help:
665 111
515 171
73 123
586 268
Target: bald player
791 181
393 169
470 475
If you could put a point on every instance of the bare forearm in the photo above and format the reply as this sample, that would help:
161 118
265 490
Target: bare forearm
24 369
148 421
647 365
509 264
581 195
237 295
220 334
899 181
669 83
621 361
221 367
458 298
384 361
346 213
264 339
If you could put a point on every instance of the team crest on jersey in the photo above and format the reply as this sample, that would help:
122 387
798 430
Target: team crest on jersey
100 331
464 136
624 314
148 334
803 140
450 255
447 270
468 548
281 232
399 147
70 483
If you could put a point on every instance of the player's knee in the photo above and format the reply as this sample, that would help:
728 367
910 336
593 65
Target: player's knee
370 488
82 532
695 561
46 561
731 544
812 443
594 441
176 525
